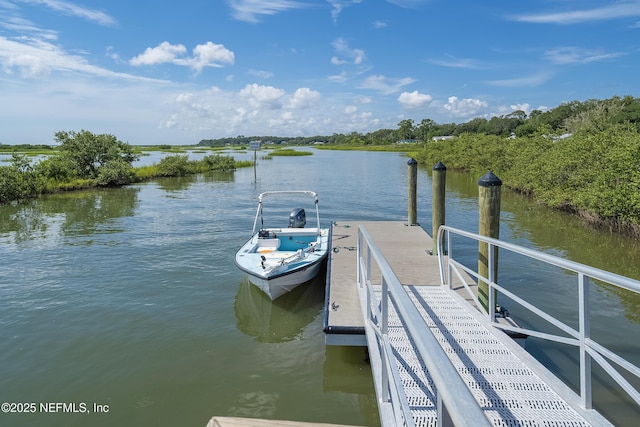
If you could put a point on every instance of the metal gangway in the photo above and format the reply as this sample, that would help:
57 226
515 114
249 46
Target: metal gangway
437 360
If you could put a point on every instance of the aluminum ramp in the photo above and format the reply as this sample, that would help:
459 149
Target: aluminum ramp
511 388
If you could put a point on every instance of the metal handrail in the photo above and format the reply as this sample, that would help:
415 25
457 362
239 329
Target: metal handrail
589 349
452 390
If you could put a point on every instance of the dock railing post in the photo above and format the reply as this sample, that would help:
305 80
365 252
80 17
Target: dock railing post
489 225
438 180
412 190
584 335
359 260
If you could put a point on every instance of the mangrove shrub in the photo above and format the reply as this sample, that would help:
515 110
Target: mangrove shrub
595 172
88 152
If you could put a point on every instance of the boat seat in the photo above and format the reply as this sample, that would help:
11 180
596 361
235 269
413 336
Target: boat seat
268 245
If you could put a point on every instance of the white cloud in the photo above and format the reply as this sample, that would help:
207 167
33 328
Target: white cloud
576 55
357 56
464 108
414 99
303 98
339 6
454 62
267 96
130 109
204 55
36 58
249 10
261 110
184 97
624 9
164 52
211 55
68 8
337 61
25 26
380 23
339 78
384 85
526 81
261 73
110 53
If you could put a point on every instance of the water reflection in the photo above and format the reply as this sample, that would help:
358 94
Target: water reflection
77 213
255 404
348 370
283 319
175 184
179 184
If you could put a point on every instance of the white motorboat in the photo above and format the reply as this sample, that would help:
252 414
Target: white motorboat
278 259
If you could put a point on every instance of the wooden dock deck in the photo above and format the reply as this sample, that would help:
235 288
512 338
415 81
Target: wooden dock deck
406 248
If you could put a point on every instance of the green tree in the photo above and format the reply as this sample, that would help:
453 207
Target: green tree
219 162
381 137
17 181
599 116
175 165
57 168
89 152
425 128
354 138
406 129
114 173
631 111
10 184
517 114
477 125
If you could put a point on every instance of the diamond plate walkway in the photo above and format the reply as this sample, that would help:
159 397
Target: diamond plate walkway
497 371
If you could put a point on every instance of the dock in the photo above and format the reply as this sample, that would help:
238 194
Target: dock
435 357
407 250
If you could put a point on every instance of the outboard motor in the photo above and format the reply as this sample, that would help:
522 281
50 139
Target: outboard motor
297 218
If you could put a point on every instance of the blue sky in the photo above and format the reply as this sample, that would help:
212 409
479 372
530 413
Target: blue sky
169 72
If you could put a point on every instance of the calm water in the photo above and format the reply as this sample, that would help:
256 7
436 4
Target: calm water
130 298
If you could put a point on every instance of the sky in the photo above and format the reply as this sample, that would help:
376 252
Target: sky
177 72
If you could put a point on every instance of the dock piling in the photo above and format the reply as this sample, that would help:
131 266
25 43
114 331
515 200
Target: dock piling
489 225
412 190
438 180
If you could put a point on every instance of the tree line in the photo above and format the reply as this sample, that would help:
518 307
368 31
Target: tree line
560 120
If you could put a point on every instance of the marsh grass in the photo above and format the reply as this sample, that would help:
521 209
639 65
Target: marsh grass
243 163
289 152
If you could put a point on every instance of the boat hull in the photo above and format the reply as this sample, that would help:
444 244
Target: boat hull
265 267
275 287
